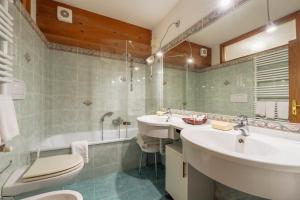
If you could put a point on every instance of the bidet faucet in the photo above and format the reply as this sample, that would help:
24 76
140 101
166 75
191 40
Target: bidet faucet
243 125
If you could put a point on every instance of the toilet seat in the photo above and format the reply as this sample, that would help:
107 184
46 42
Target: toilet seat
42 174
51 166
37 178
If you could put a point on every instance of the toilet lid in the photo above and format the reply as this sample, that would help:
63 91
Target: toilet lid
53 165
37 178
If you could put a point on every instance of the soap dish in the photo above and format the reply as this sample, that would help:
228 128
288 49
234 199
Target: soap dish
194 121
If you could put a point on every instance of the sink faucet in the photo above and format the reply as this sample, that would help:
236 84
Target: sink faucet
169 114
243 125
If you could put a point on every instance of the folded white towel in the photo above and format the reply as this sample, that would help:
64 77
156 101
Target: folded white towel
260 109
283 110
8 119
270 110
81 148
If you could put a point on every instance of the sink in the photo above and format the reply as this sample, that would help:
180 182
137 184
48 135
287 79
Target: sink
159 126
261 164
153 126
235 144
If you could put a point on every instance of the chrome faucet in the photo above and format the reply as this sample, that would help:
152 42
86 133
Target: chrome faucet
169 114
108 114
243 125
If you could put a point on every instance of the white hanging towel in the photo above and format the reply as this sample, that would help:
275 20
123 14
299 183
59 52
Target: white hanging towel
270 110
81 148
260 108
8 119
283 110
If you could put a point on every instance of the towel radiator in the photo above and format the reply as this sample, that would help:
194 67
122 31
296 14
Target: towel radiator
6 39
271 75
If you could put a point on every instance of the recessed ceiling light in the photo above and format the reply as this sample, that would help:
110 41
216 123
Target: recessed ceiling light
225 3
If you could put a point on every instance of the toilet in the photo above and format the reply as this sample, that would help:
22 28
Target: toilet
57 195
44 172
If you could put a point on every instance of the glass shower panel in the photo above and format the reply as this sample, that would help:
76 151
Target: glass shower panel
113 89
154 86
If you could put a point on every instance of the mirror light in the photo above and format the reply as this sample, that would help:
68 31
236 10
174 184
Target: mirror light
159 53
271 28
190 60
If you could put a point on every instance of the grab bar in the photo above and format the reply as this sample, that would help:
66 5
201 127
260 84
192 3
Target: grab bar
5 168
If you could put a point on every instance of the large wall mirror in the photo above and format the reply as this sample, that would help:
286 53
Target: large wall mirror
237 65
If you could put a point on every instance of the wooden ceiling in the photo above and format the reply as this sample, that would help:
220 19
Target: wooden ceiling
92 31
178 56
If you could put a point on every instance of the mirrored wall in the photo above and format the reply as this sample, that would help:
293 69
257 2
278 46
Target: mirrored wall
237 69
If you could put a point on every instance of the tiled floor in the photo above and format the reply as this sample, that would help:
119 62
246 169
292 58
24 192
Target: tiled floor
123 186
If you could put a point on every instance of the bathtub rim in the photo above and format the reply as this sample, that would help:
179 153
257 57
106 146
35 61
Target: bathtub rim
61 147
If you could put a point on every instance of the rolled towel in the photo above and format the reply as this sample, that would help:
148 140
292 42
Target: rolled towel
260 109
283 110
81 148
8 119
270 110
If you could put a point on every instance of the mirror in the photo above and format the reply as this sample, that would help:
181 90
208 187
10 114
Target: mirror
234 66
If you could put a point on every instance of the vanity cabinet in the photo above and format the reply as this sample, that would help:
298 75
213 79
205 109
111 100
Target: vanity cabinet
176 172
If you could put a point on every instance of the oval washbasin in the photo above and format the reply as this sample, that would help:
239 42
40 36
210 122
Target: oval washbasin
230 144
265 164
154 120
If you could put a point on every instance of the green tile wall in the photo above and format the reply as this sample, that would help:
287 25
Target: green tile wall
31 111
207 91
74 78
57 85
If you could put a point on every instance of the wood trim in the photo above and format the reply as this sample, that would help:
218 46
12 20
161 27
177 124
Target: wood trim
27 5
298 26
179 54
294 74
254 32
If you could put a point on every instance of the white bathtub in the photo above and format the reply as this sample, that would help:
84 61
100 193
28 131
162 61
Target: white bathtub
63 141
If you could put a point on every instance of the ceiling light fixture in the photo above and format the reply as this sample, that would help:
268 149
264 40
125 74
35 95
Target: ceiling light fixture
160 53
271 27
225 3
190 60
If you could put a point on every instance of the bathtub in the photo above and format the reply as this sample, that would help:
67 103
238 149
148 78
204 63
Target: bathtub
64 141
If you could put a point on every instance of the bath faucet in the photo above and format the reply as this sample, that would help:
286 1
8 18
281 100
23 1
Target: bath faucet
243 125
108 114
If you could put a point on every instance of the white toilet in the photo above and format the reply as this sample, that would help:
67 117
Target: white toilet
44 172
57 195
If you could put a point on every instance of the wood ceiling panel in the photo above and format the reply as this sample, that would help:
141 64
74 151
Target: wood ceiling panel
179 54
93 31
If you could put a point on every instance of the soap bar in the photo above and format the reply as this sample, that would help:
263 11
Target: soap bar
160 113
223 126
